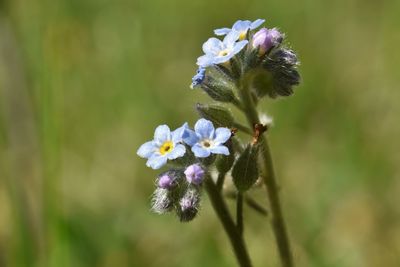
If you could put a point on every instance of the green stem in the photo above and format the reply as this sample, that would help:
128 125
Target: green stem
235 237
220 180
239 212
278 221
242 128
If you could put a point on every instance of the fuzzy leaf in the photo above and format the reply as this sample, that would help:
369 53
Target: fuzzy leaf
219 115
245 170
225 163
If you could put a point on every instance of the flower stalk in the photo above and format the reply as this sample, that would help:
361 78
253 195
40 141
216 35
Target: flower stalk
269 179
230 228
240 70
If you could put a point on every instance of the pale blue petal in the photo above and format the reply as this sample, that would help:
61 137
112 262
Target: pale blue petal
177 152
241 25
231 38
200 152
162 134
156 161
190 137
178 133
205 61
239 46
204 128
222 31
147 149
222 135
219 60
257 23
212 46
220 150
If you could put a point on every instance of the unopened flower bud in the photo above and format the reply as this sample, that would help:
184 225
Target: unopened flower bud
194 174
161 202
189 205
165 181
265 39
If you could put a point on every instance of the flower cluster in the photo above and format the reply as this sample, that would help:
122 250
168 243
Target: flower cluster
245 51
245 55
190 150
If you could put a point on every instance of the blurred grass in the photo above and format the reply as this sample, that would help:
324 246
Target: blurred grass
84 83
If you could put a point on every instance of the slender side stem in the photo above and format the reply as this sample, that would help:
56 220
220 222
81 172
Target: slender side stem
235 237
242 128
278 222
239 212
220 180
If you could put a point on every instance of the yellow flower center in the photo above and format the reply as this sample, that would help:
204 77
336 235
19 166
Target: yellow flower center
243 35
166 147
223 53
206 143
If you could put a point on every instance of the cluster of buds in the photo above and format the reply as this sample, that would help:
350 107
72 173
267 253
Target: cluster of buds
211 144
245 51
179 190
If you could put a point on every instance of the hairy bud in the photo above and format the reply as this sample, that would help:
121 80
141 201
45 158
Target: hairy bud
189 205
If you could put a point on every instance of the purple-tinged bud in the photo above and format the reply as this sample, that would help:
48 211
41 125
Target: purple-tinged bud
189 205
165 181
265 39
194 174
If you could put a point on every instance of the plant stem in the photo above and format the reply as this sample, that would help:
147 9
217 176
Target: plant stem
239 212
242 128
235 237
269 178
221 180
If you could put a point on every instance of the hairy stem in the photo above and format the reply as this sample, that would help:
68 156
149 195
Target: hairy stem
235 237
239 212
269 178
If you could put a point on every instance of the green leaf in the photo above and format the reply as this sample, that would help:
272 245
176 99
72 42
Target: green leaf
245 170
225 163
219 115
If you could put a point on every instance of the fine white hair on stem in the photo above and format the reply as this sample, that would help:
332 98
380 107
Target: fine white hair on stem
266 120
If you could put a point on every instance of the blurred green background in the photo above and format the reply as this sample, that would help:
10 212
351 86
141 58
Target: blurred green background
84 82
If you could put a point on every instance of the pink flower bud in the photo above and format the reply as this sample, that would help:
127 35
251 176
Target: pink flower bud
265 39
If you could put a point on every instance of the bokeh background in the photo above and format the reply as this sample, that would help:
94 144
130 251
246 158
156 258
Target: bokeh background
84 82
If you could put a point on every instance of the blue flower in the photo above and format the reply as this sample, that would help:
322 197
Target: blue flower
205 140
165 146
241 26
217 51
199 77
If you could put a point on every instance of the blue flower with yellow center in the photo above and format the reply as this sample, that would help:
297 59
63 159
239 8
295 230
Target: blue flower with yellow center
165 146
242 27
217 51
206 140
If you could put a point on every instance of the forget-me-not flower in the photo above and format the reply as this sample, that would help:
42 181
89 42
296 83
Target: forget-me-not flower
241 26
199 77
217 51
205 139
165 146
